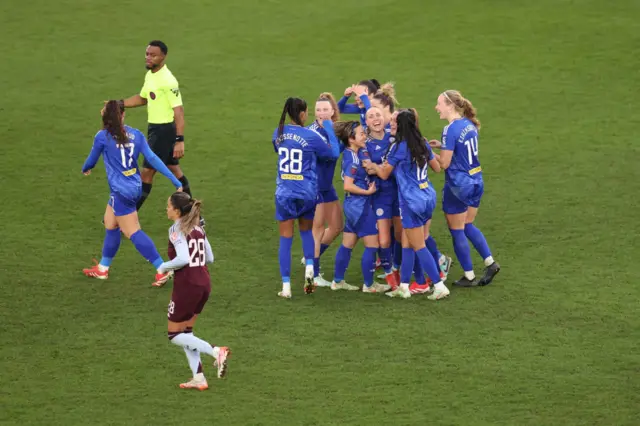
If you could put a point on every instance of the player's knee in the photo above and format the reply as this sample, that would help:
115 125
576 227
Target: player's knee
384 240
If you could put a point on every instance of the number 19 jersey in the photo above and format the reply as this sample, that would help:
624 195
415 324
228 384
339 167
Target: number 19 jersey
298 150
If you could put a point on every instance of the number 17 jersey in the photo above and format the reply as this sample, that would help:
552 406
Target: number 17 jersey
298 150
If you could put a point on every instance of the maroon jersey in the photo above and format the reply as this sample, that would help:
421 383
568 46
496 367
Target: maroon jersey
194 273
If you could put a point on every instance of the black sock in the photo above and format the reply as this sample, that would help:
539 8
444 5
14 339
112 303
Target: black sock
185 184
146 190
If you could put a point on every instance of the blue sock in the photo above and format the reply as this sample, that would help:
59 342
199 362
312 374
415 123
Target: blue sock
406 267
461 247
385 259
477 239
316 267
427 263
418 272
308 246
397 254
368 265
110 246
323 248
433 249
343 257
146 248
284 255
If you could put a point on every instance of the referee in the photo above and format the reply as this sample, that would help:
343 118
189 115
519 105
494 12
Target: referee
161 94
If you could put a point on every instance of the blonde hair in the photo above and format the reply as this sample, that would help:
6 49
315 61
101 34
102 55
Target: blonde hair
462 105
387 95
189 209
328 96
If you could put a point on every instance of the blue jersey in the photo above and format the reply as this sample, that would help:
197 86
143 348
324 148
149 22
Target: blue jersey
298 150
461 137
378 149
121 162
414 187
325 168
355 204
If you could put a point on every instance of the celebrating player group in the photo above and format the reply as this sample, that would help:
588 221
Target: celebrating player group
389 200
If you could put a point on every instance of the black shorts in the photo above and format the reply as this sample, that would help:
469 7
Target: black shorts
162 138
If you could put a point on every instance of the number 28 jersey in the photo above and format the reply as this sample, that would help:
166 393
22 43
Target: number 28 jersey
298 150
195 273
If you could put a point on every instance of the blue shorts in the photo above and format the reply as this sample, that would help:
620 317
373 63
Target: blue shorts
292 208
386 207
367 224
411 219
328 196
458 199
122 206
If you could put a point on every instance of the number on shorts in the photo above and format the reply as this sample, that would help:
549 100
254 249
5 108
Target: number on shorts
124 157
290 160
172 306
197 252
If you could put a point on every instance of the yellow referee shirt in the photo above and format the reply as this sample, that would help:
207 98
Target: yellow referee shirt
162 93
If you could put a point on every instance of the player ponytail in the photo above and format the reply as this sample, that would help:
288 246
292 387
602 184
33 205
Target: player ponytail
293 107
345 130
189 209
112 121
328 96
387 96
409 132
462 105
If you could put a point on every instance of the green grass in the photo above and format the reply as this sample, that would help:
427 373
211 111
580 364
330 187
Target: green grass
553 341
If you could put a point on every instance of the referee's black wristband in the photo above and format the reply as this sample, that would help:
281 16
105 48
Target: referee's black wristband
179 138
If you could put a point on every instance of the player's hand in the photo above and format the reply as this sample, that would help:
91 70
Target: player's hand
435 143
179 189
348 91
323 116
178 150
372 188
87 173
360 90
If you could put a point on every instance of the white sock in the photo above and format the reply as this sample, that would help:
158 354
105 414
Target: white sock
404 286
470 275
440 286
103 268
194 360
216 351
199 377
189 341
286 287
488 261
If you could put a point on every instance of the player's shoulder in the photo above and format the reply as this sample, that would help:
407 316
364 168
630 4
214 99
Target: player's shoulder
351 156
175 234
101 134
134 135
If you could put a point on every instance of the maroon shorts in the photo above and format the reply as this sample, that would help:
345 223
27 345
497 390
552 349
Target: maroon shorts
187 302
